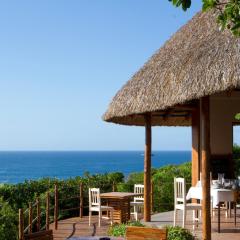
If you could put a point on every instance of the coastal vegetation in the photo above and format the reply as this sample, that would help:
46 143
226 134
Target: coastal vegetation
15 196
8 221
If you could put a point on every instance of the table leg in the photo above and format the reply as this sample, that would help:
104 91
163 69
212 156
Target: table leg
230 209
120 211
129 211
235 213
218 217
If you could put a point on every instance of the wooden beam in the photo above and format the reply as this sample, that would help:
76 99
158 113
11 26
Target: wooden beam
195 146
147 168
186 107
165 116
205 157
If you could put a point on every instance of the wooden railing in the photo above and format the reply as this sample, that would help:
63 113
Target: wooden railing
34 215
48 209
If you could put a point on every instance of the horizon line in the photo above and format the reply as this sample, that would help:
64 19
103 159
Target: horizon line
66 150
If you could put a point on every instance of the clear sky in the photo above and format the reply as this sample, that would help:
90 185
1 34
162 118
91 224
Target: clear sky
61 62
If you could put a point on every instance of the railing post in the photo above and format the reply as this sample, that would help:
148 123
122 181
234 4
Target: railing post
56 207
30 218
81 200
152 196
47 210
38 215
21 225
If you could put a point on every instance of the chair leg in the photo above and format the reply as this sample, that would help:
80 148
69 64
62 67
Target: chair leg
135 212
184 218
90 215
226 211
111 212
99 218
230 209
212 212
175 217
195 219
136 216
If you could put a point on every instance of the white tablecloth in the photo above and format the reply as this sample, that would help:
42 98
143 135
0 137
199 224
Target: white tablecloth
218 195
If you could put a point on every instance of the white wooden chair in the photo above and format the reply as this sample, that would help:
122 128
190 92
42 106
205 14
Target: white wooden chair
180 202
138 201
95 206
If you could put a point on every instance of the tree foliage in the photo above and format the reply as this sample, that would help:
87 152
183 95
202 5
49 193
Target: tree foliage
228 12
8 221
163 189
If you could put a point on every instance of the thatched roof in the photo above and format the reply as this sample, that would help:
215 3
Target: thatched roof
199 60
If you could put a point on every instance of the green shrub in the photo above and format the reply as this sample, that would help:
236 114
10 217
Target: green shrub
178 233
8 222
119 230
236 158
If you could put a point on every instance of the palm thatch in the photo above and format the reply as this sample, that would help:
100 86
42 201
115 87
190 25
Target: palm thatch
199 60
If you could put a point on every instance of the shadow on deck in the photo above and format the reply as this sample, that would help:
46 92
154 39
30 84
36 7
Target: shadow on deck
79 227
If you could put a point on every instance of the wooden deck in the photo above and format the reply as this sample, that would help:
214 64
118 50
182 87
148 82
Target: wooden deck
228 229
78 227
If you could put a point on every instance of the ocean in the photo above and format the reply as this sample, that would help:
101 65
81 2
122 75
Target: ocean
16 166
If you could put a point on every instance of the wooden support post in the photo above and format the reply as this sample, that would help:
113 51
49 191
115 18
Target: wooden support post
56 207
152 196
30 218
147 168
20 225
47 210
205 156
81 200
195 146
38 215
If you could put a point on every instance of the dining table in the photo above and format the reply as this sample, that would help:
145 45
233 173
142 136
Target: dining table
120 201
218 196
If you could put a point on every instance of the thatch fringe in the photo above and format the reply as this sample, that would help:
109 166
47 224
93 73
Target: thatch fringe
198 60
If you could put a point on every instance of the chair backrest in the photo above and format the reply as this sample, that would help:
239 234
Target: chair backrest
179 191
94 197
139 188
139 233
43 235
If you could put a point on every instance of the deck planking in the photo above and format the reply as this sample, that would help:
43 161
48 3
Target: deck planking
78 227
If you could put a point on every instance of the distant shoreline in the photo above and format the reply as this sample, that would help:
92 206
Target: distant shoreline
92 151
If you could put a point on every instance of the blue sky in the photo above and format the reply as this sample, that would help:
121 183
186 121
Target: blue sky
62 62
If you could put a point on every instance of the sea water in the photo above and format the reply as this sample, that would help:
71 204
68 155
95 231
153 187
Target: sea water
16 167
